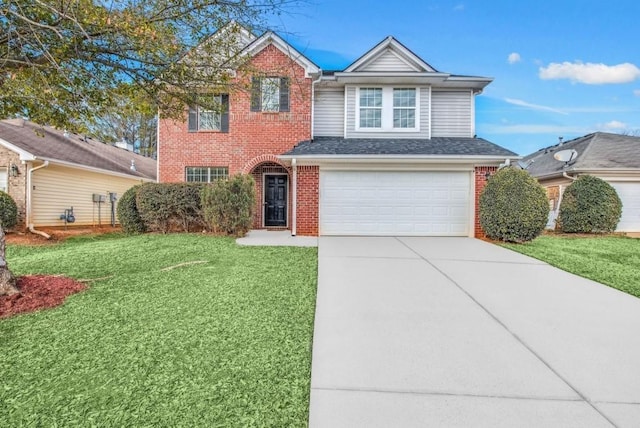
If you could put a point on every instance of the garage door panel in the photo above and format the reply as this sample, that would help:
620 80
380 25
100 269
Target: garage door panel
629 193
394 203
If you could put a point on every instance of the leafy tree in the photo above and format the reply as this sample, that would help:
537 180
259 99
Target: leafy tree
64 61
133 120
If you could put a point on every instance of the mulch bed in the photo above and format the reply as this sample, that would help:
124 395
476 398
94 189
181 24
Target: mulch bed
38 292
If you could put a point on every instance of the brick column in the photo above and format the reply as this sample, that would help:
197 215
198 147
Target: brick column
480 182
307 203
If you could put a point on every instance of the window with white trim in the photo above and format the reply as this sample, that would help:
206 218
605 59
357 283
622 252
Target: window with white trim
370 107
4 178
387 109
404 108
206 174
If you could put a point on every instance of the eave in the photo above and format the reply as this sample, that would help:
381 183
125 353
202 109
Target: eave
487 160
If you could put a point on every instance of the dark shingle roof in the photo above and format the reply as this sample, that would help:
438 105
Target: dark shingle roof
53 144
438 146
597 151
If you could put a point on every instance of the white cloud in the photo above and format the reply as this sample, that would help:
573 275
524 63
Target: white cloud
514 57
533 106
613 125
590 73
636 92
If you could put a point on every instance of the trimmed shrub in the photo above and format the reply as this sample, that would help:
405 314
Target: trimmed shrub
167 206
8 211
128 214
513 206
228 205
589 205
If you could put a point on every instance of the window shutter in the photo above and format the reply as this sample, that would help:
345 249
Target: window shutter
284 94
256 94
224 114
193 119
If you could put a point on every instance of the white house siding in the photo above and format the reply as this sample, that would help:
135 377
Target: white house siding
387 61
351 117
56 188
451 113
329 113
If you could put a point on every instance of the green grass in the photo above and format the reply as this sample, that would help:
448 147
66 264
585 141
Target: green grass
218 344
611 260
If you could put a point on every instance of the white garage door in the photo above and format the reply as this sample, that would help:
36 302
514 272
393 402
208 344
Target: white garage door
416 203
629 193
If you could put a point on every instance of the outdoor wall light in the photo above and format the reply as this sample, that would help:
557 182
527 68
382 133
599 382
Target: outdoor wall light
14 170
487 175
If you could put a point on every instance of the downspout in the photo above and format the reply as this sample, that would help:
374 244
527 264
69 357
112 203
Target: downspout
28 208
295 197
565 175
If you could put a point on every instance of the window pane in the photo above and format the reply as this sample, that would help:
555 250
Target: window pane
270 88
370 97
207 174
197 174
404 118
370 118
404 97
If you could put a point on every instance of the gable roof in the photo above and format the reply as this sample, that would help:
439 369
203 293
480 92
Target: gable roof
36 142
390 62
597 152
390 44
383 148
271 38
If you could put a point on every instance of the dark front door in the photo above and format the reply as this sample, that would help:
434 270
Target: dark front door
275 200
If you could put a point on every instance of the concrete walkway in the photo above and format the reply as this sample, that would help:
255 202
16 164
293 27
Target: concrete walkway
277 238
456 332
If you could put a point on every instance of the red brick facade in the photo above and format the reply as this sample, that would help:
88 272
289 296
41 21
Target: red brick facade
480 181
254 138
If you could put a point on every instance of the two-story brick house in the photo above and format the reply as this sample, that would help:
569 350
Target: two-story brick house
386 146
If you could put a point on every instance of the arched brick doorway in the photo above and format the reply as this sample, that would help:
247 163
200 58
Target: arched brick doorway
273 195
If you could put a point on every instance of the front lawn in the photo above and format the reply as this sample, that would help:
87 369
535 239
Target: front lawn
220 339
611 260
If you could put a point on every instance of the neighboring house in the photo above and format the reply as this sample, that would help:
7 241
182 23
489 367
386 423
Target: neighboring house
612 157
47 171
386 146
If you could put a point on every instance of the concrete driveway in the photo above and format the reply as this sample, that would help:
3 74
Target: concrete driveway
456 332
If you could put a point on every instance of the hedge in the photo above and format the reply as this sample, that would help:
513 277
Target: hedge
128 214
589 205
169 206
8 211
229 205
513 206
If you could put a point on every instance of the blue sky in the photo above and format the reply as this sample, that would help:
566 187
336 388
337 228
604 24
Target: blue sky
560 68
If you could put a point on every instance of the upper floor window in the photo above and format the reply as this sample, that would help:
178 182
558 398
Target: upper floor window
270 94
206 174
210 113
387 109
370 107
404 107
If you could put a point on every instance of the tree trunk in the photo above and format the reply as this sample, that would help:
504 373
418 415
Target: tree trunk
7 280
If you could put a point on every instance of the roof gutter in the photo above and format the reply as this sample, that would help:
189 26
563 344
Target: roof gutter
397 158
30 225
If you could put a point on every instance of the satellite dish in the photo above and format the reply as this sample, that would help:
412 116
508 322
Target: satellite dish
565 156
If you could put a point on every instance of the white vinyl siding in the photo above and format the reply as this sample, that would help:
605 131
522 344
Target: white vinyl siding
387 61
57 188
329 113
629 194
413 203
422 119
451 114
